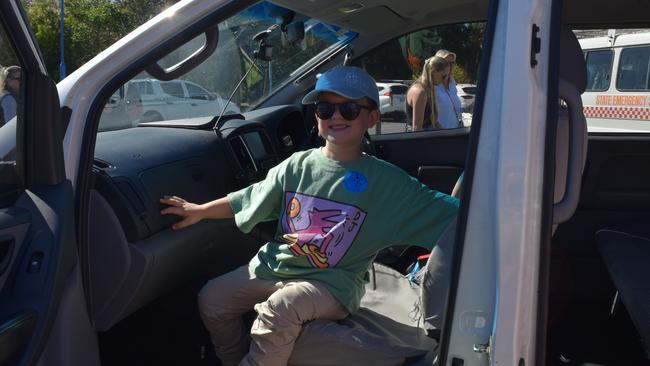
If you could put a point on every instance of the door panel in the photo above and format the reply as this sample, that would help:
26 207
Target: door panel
37 231
437 158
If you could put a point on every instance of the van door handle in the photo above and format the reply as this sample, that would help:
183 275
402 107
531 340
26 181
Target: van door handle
7 245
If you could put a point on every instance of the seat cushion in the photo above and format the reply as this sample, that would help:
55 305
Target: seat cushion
385 331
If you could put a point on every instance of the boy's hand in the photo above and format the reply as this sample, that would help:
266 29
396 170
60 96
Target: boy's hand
190 212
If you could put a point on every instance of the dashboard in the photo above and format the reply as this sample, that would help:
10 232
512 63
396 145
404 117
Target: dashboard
134 255
134 167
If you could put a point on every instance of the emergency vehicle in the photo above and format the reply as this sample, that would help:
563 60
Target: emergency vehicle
617 98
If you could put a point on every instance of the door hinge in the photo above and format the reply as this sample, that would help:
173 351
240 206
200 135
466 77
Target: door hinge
535 45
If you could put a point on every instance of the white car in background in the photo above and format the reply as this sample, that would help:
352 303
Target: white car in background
176 99
467 95
392 99
149 100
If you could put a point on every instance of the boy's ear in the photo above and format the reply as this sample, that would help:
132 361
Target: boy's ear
374 118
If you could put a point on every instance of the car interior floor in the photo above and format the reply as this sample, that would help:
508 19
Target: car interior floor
167 331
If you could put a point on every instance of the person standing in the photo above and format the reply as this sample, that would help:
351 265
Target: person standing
422 112
450 110
9 87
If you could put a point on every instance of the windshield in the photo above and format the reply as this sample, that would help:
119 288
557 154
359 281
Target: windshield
297 41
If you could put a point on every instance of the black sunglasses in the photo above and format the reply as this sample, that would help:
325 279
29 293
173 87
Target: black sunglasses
348 110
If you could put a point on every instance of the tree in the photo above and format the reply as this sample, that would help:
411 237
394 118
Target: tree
90 26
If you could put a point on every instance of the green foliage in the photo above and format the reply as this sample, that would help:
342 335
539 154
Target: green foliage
90 26
402 58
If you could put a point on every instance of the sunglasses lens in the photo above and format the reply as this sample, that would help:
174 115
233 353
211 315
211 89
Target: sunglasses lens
349 110
325 110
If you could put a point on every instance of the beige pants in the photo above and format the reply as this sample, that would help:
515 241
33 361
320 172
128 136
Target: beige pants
282 308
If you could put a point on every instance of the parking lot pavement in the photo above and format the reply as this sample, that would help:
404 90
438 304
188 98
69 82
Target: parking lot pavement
384 127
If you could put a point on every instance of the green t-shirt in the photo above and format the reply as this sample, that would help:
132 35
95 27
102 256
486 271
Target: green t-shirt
334 217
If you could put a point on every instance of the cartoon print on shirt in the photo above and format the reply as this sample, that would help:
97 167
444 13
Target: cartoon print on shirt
320 229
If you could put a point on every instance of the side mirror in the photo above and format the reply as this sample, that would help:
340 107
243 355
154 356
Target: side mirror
114 101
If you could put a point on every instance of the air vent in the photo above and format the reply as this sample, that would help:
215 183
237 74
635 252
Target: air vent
243 155
101 164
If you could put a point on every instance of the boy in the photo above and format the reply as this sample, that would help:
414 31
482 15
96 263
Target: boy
336 206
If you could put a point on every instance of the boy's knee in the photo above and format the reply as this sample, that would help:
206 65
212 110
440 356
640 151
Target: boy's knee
294 303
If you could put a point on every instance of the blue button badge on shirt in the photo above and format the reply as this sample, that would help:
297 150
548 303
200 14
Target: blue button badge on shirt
355 182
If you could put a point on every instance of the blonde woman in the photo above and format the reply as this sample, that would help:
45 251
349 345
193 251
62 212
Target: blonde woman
449 107
421 107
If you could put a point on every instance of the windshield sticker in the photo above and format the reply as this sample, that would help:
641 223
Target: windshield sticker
320 229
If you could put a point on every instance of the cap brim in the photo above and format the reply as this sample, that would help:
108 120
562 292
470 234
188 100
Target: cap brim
312 96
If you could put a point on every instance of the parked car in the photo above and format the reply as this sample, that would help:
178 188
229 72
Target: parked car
91 273
392 99
149 100
467 95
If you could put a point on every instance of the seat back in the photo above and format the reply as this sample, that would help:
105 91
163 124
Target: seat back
626 253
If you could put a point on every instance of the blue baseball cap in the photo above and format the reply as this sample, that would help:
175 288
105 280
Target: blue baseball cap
347 81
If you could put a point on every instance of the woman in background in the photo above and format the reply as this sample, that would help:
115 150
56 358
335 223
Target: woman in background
449 107
421 107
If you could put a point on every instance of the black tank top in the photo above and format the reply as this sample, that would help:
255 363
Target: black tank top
426 123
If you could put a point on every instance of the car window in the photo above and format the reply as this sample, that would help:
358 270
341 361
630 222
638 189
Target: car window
11 75
400 62
397 89
196 92
599 69
143 87
173 88
633 69
470 90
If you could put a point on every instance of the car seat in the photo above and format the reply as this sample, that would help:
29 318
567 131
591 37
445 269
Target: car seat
391 326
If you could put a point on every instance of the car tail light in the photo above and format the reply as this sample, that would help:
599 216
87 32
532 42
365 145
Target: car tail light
388 94
467 96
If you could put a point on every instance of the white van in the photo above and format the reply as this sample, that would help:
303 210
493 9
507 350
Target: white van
618 86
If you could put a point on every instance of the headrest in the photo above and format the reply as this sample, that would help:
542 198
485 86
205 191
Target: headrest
572 61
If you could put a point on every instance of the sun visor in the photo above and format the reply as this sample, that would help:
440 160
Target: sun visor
371 20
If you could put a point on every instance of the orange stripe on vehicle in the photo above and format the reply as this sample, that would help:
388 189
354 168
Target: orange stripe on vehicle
617 113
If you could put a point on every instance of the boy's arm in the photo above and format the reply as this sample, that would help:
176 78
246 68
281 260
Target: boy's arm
193 213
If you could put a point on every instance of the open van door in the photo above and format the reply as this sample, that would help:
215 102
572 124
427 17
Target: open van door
37 233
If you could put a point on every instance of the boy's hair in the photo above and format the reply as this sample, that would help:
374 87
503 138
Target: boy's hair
371 103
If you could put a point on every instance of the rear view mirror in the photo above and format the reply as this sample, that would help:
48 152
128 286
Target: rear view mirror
293 33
